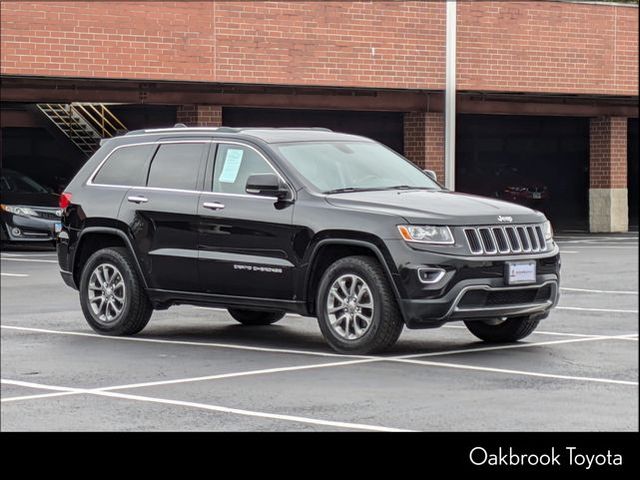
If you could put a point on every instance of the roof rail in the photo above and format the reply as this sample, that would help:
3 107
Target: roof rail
182 127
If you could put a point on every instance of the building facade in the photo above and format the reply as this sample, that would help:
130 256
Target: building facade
547 91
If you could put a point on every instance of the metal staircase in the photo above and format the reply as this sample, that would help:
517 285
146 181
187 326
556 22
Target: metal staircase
85 124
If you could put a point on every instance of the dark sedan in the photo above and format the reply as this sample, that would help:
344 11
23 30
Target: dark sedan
29 211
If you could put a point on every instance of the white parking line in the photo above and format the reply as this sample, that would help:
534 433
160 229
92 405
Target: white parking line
593 238
370 359
34 260
608 247
238 374
586 290
13 274
596 240
609 310
562 334
511 346
250 413
27 255
41 395
361 360
182 342
215 408
303 352
519 372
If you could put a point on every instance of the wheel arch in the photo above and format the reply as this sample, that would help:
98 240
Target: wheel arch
327 251
92 239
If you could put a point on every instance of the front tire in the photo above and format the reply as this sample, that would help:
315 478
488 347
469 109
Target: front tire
112 297
356 307
254 317
505 331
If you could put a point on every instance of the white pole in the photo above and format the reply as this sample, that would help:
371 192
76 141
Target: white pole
450 99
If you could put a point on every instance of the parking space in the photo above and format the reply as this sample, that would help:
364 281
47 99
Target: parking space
196 369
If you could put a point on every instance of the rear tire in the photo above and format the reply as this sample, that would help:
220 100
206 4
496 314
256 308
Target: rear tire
254 317
367 319
510 330
126 309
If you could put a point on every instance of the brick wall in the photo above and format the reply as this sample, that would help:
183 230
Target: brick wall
305 43
502 46
390 44
608 152
139 40
199 115
424 140
557 47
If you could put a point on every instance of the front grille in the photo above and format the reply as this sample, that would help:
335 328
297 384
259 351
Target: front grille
499 239
497 298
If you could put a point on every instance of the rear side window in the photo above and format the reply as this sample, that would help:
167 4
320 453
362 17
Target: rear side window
176 166
126 166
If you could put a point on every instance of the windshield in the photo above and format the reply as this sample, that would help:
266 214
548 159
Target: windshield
15 182
332 167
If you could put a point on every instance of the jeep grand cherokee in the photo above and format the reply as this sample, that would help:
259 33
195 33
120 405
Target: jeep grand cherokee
268 221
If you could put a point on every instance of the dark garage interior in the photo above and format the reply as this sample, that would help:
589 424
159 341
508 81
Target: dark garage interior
43 153
541 162
48 158
495 154
385 127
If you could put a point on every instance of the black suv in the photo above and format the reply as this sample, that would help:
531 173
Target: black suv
269 221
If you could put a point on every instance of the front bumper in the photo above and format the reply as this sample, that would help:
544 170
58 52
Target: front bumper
533 299
472 287
31 229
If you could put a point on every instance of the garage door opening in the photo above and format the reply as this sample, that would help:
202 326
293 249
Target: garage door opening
385 127
35 147
540 162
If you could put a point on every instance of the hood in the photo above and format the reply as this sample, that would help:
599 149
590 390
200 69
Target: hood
438 207
30 199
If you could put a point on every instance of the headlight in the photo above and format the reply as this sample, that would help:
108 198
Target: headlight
426 234
24 211
547 230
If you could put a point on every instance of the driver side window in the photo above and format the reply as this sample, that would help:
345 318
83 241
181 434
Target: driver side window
234 165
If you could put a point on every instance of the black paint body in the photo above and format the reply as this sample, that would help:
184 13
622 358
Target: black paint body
260 252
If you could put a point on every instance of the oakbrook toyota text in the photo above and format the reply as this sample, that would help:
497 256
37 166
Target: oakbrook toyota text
570 456
269 221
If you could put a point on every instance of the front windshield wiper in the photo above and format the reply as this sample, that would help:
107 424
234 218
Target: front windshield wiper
407 187
373 189
348 190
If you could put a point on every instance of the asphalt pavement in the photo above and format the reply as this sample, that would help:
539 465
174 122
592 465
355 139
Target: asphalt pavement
197 369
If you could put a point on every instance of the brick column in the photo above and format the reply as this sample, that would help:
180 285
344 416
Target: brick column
424 140
608 208
199 115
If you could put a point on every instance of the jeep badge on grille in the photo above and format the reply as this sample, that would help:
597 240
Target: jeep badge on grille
505 219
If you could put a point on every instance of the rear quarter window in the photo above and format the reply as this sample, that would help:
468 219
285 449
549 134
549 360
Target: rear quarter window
176 166
126 166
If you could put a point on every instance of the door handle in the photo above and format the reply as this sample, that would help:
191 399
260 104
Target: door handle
213 205
137 199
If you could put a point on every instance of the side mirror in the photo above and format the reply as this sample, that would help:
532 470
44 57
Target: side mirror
268 185
431 174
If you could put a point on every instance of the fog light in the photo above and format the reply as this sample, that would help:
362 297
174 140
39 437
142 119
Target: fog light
16 232
430 275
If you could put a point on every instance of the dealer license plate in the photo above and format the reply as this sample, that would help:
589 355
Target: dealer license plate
536 195
520 272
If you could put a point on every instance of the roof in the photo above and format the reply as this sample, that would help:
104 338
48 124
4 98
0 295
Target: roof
266 134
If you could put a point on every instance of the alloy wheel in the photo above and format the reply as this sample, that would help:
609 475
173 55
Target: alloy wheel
107 292
350 307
